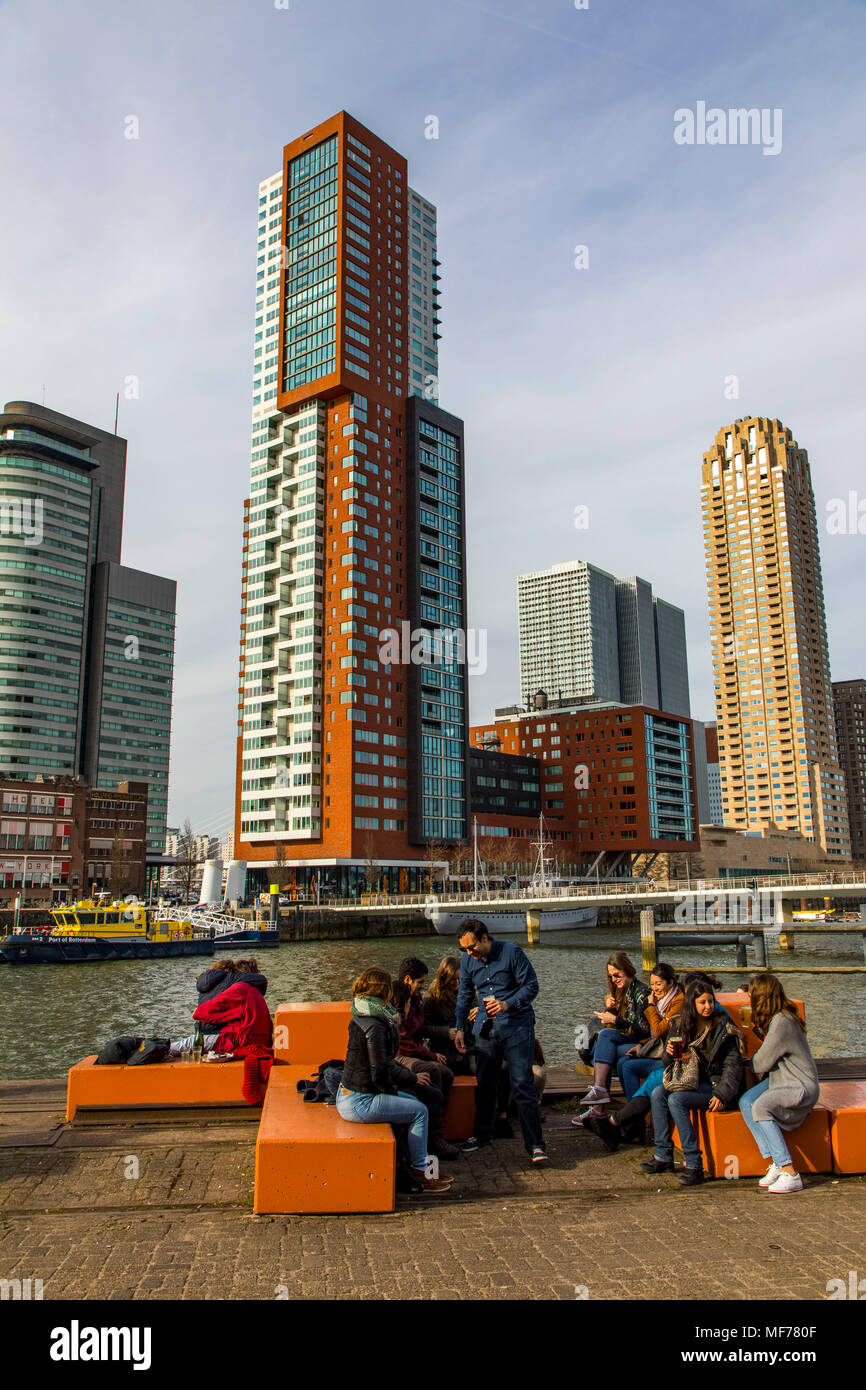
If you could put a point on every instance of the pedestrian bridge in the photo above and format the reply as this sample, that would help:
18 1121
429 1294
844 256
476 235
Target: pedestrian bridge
785 895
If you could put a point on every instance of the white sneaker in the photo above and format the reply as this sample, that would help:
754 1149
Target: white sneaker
596 1095
786 1182
596 1113
770 1176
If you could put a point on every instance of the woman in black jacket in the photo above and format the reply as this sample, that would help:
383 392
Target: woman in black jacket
704 1072
373 1088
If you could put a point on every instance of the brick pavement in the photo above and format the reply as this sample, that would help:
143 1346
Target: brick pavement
182 1226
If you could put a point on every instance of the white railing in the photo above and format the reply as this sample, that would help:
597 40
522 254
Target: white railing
819 884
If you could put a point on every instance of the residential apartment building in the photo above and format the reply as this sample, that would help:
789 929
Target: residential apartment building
586 634
613 781
354 529
87 643
60 839
849 704
776 734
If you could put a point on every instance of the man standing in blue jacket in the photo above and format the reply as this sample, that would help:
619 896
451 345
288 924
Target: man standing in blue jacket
498 978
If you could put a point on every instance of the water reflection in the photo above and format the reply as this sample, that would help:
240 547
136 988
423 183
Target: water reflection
53 1015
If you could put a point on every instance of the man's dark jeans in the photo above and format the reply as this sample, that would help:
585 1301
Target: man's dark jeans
517 1052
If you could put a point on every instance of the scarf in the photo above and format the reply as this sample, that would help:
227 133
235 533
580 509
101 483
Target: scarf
369 1006
663 1004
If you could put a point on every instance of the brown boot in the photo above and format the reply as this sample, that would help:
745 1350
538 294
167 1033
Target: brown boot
434 1187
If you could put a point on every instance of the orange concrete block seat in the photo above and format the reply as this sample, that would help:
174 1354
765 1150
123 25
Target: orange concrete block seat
460 1111
734 1003
162 1084
311 1033
846 1102
308 1159
729 1150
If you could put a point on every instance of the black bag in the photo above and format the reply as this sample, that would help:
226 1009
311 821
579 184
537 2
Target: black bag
325 1085
118 1052
150 1050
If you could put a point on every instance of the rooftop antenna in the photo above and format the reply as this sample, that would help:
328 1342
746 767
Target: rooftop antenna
116 409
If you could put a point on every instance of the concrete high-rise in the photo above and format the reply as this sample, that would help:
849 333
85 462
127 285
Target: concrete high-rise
849 703
777 741
585 634
87 643
349 753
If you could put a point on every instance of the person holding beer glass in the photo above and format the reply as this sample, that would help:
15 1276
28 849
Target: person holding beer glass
663 1006
790 1086
709 1049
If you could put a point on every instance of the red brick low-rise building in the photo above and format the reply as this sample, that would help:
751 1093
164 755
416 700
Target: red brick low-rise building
60 839
613 781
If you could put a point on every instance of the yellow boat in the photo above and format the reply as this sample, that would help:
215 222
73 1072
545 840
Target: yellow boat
99 929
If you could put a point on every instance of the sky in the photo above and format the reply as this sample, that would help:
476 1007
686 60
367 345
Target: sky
587 379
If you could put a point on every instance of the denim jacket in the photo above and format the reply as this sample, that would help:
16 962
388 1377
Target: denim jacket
508 974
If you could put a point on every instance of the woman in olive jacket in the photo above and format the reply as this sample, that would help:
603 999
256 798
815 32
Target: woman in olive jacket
373 1085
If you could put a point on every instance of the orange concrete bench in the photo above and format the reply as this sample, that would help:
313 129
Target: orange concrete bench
308 1159
166 1085
846 1102
729 1150
311 1033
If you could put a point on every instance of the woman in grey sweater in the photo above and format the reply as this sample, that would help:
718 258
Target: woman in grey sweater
790 1087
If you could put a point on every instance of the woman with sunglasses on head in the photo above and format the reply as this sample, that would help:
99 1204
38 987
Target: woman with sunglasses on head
789 1090
623 1025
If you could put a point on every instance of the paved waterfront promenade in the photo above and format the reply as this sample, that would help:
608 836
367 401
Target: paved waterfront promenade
184 1227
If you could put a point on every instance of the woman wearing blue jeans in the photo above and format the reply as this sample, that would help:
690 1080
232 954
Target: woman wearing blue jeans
370 1089
712 1046
663 1006
624 1025
790 1088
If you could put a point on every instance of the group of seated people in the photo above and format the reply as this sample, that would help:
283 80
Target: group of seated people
403 1056
676 1050
673 1045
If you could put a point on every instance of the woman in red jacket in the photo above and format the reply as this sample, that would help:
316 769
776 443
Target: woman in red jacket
235 1020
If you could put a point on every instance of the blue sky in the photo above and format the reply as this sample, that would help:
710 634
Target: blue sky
598 387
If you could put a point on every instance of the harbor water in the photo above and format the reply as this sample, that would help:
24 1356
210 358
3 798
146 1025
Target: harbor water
54 1015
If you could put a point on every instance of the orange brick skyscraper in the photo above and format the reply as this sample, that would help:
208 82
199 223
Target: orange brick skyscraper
354 528
774 703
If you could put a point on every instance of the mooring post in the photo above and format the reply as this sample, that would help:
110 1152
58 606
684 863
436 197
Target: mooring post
648 939
533 926
759 941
